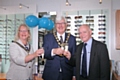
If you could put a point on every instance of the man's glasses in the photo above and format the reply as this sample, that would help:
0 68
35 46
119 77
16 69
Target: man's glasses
60 23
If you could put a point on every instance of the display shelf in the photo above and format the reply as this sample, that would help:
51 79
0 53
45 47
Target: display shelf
96 19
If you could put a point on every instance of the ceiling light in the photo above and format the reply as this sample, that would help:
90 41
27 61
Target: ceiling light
100 1
21 5
67 3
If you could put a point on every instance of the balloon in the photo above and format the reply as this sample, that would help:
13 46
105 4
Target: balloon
50 25
31 21
43 22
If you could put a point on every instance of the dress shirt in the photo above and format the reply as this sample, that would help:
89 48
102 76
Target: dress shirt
88 48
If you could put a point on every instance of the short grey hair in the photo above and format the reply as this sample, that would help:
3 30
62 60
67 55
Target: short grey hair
58 18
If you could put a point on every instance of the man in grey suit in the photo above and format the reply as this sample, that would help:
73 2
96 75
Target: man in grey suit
95 65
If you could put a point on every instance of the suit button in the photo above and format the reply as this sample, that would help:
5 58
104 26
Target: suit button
29 67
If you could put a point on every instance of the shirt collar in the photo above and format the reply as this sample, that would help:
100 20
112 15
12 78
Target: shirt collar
89 42
61 35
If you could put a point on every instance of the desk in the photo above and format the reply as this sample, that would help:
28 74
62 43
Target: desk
2 76
115 76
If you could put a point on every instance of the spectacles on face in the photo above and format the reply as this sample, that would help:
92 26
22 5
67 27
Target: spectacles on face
61 23
23 30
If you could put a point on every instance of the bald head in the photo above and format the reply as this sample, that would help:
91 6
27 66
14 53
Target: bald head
85 32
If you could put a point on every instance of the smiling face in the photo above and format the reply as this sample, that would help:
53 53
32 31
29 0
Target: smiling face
85 33
23 33
61 25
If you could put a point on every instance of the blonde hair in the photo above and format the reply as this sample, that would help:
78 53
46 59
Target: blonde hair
17 33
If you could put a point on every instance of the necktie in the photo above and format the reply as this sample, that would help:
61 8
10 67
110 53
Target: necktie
61 39
84 61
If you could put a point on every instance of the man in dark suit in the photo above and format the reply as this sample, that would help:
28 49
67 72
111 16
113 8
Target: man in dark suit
54 45
96 64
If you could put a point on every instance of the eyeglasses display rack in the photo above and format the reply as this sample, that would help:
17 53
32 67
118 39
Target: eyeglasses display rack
8 27
96 19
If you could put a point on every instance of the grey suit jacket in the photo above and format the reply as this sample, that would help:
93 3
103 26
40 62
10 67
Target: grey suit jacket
19 70
99 68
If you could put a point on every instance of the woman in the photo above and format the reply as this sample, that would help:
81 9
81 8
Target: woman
22 59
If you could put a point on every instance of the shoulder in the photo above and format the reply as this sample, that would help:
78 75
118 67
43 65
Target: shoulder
98 43
70 35
49 34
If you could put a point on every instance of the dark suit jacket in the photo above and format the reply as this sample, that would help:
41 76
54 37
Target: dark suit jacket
54 63
99 68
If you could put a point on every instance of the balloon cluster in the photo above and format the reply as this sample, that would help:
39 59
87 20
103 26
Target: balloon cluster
44 22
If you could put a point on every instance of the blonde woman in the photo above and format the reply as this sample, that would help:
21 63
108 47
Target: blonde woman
22 56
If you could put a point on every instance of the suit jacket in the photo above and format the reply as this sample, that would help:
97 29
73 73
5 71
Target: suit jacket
54 63
19 70
99 68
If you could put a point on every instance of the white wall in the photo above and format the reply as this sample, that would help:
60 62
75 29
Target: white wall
59 6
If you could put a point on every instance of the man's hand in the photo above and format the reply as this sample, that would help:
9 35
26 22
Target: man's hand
58 51
67 54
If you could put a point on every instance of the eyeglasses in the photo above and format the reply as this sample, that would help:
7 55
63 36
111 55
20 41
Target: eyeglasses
101 24
80 21
89 16
102 37
101 16
102 20
68 17
102 33
23 30
67 29
92 29
77 25
61 23
89 20
78 17
102 28
68 21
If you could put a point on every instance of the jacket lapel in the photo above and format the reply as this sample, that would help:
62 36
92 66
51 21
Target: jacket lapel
92 54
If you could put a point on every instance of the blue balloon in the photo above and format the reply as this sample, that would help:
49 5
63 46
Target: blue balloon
50 25
43 22
31 21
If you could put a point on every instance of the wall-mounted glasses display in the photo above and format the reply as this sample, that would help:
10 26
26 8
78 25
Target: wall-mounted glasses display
96 19
8 27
